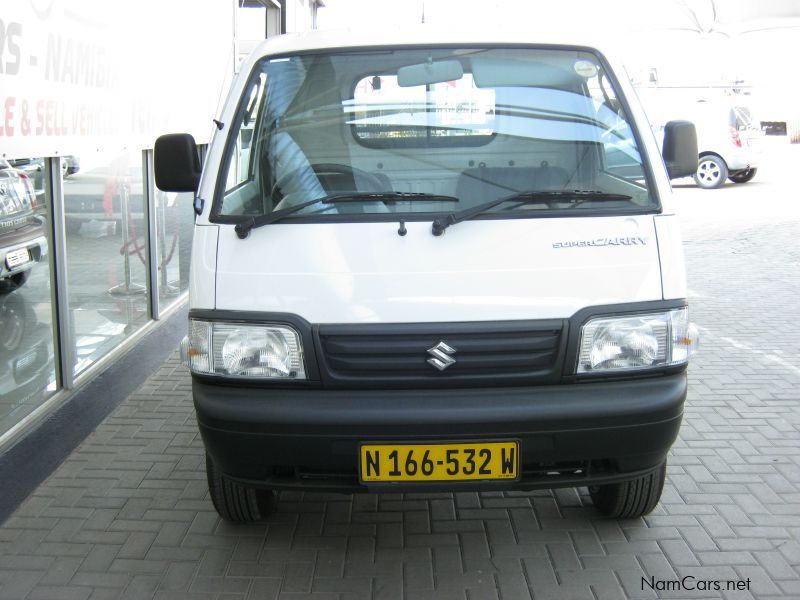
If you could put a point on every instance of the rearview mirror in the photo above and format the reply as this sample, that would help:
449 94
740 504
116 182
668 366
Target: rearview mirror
680 149
429 72
176 163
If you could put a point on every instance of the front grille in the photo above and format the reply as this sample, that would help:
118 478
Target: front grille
397 355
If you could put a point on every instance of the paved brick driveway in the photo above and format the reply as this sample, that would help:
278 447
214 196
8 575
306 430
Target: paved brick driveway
127 515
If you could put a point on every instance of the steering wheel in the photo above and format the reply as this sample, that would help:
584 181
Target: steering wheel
333 178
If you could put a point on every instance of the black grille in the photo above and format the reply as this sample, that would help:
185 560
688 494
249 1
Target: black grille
396 355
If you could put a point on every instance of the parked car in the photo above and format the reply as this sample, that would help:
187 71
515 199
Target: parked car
26 355
22 234
728 139
34 168
70 164
418 270
729 142
100 195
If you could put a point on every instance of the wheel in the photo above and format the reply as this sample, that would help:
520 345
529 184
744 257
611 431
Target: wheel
743 176
235 502
630 499
9 284
14 316
711 172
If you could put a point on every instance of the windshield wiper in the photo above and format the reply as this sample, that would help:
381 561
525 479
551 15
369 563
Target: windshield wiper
387 197
243 228
575 197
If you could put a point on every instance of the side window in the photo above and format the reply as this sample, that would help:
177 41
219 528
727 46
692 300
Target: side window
242 198
242 165
452 113
622 158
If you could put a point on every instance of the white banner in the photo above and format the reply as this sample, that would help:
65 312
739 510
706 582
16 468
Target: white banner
87 74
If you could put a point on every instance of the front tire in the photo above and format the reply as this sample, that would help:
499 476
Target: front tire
630 499
235 502
711 172
742 176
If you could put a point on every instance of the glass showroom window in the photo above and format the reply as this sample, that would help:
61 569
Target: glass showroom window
106 253
172 244
27 366
174 228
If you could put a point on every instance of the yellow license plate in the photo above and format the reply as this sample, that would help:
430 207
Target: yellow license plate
467 461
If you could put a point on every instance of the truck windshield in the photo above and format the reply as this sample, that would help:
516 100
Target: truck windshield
423 132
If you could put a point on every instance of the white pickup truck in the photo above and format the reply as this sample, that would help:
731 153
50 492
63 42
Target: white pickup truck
414 268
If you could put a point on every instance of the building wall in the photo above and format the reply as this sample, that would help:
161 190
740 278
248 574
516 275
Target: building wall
104 74
300 15
86 86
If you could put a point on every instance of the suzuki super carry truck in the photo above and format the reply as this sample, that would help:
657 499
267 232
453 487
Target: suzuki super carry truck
418 265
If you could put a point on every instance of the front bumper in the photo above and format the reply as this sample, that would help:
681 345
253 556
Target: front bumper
569 435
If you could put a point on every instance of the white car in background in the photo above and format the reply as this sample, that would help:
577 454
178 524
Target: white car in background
728 139
729 144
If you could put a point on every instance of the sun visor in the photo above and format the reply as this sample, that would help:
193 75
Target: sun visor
487 72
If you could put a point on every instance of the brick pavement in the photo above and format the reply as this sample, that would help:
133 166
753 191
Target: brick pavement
127 515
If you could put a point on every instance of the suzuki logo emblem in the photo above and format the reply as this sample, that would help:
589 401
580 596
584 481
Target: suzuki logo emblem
440 356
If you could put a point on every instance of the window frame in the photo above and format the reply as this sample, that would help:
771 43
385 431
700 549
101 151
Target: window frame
444 141
219 188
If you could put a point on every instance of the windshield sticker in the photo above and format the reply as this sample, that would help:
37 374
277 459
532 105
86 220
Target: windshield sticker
598 242
585 68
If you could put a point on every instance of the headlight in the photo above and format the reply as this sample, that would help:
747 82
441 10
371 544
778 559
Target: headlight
637 342
243 350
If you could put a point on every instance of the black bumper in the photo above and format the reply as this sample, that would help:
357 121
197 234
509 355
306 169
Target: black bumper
569 434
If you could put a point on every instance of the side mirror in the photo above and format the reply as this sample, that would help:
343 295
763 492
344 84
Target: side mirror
680 149
176 163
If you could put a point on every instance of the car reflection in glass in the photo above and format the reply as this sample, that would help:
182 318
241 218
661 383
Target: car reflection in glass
26 358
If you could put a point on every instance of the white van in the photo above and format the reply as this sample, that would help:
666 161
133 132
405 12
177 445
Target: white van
416 268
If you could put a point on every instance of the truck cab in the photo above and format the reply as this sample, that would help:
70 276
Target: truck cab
417 265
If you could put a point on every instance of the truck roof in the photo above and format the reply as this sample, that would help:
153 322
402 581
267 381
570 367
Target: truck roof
429 35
